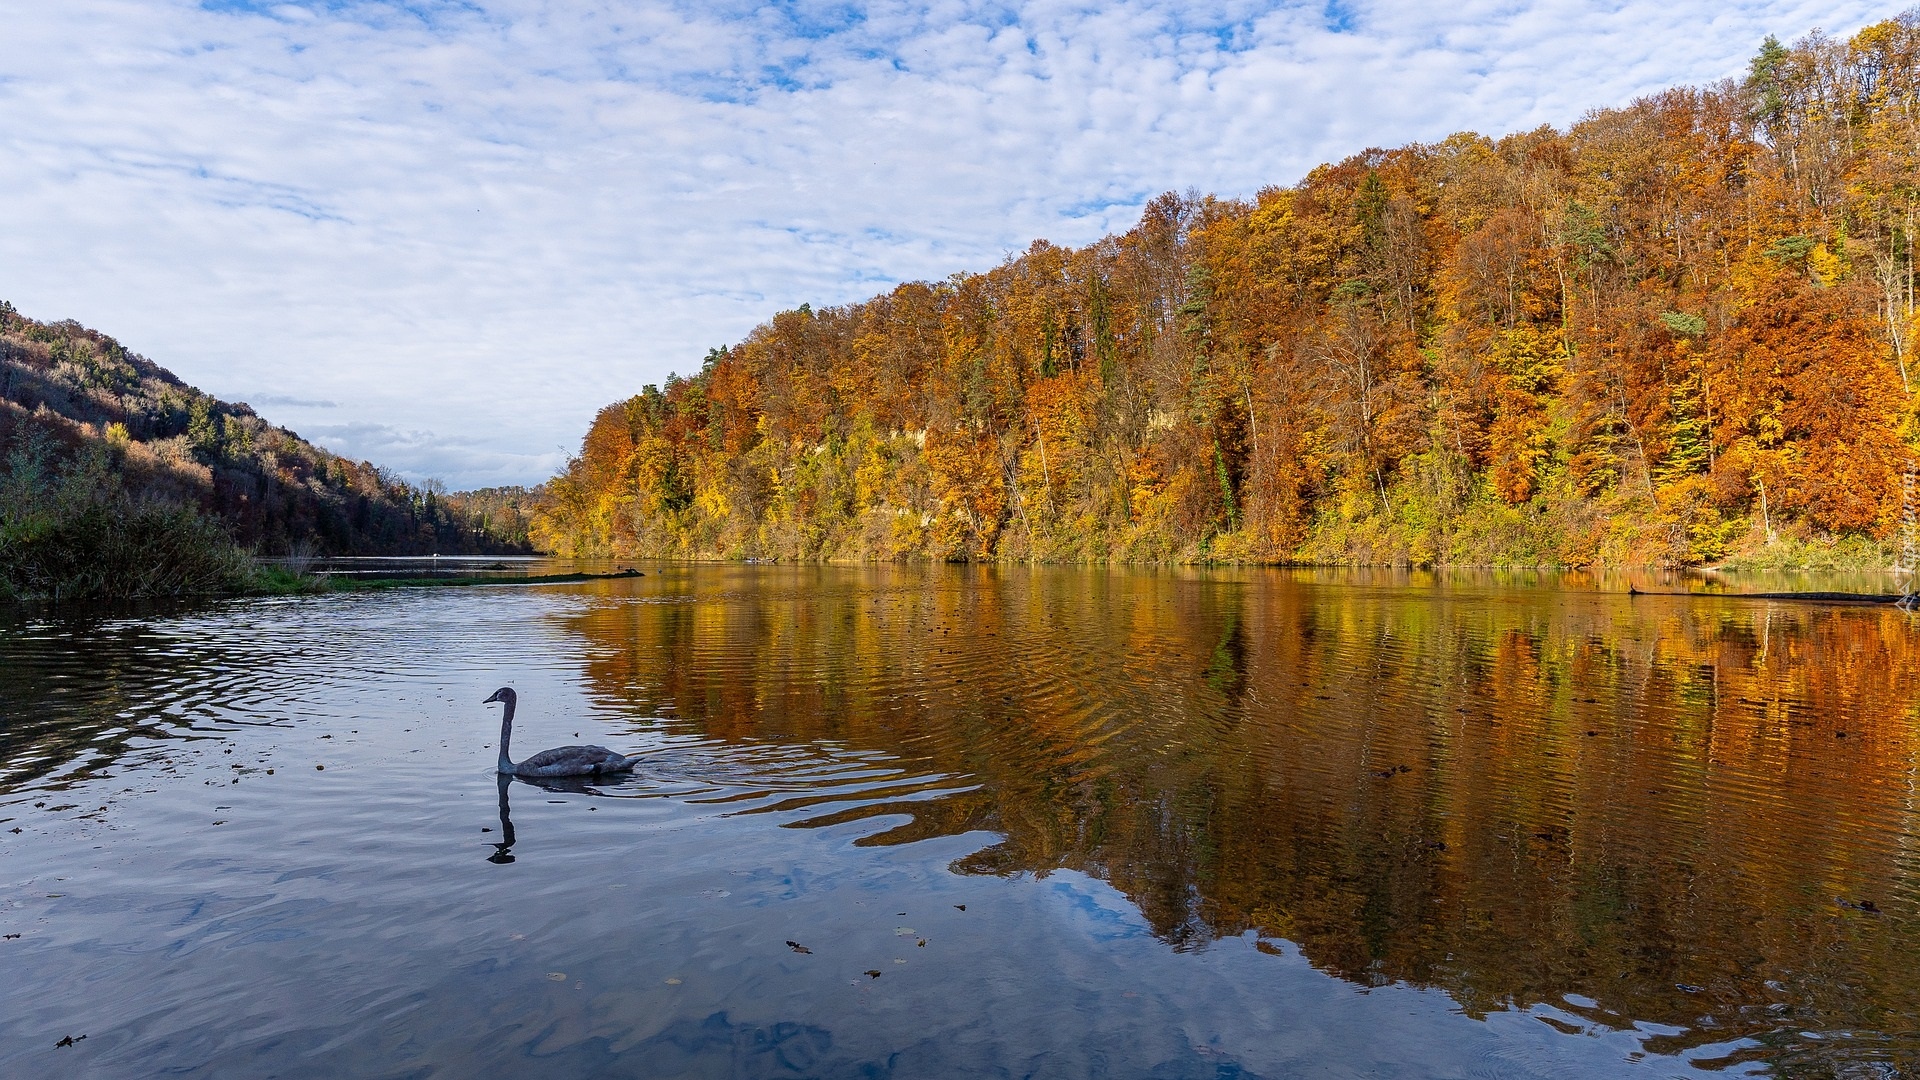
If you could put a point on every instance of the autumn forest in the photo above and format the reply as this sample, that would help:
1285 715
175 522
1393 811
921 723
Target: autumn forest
1676 332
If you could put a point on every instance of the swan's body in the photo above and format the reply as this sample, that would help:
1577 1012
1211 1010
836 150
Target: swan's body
561 760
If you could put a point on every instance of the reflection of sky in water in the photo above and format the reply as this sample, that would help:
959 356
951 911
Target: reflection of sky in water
1093 910
849 757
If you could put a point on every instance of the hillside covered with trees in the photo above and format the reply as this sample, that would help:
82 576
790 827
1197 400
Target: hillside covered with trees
116 478
1676 331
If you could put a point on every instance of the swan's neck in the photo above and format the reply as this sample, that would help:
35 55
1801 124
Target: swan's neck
506 733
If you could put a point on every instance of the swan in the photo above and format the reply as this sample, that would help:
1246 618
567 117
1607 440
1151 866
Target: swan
559 761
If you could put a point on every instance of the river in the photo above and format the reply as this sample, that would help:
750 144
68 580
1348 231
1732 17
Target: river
979 821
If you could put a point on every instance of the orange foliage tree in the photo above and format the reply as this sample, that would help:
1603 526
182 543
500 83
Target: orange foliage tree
1674 330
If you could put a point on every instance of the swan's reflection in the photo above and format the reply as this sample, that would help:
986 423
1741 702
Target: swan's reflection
503 851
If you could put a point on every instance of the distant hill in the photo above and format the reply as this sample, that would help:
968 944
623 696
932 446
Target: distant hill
70 395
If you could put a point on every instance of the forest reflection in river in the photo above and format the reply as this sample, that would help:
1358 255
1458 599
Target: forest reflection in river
1636 826
1694 812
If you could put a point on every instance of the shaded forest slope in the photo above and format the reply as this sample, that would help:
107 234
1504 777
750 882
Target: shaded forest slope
83 420
1675 331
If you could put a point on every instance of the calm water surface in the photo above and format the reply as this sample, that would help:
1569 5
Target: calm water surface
966 821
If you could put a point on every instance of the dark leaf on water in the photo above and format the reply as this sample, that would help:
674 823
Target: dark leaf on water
873 973
70 1040
960 907
799 948
8 937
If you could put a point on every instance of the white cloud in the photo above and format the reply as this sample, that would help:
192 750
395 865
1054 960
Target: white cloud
486 219
285 402
479 462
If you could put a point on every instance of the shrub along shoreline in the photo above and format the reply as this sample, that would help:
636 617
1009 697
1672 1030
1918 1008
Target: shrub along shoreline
71 531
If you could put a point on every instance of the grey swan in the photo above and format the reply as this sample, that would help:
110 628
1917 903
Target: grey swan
561 760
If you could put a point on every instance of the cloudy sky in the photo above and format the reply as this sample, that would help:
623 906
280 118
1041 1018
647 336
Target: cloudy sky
439 234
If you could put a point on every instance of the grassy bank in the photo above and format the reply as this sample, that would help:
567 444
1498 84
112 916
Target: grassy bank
1847 553
69 530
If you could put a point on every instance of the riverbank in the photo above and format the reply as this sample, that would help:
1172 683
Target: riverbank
99 556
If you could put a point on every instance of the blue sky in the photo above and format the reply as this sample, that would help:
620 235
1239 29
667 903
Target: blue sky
440 234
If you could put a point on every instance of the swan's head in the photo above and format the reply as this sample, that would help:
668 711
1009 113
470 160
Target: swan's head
505 694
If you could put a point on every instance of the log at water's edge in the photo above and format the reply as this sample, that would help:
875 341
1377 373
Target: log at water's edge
1803 597
442 582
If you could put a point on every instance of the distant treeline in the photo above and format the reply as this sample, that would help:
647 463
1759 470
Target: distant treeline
1673 332
109 462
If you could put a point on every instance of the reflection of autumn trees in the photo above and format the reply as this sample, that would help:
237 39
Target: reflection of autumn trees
1663 334
1516 795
